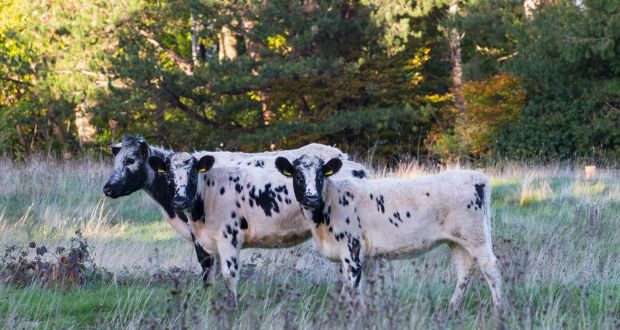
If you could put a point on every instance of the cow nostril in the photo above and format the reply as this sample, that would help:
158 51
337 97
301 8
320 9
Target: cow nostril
311 200
107 189
180 203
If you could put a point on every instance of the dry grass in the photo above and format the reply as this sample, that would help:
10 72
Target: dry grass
555 231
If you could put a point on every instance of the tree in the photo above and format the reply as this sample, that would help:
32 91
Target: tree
454 40
568 58
48 58
320 59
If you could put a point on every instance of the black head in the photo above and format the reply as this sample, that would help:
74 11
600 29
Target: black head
308 175
181 170
130 170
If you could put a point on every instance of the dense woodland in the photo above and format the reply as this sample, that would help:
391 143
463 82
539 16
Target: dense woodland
432 79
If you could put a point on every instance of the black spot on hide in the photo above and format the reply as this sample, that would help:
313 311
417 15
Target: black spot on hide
198 211
244 224
479 194
380 204
361 174
266 199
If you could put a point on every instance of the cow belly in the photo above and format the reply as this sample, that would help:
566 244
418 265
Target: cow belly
276 240
404 251
404 244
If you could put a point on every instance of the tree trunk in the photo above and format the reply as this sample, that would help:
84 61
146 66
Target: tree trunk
227 44
253 51
193 29
303 104
454 40
85 130
20 136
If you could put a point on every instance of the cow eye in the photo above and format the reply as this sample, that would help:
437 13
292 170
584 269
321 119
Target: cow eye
129 161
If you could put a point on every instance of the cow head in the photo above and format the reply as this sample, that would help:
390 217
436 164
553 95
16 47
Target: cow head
181 170
308 175
130 171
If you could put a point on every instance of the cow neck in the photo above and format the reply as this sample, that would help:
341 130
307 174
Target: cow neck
322 213
157 185
196 211
318 213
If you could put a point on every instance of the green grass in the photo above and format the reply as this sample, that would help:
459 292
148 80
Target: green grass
555 232
76 308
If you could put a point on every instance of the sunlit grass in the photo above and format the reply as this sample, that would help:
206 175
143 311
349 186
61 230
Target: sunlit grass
555 231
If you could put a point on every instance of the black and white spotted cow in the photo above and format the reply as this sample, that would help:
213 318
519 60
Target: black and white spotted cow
398 218
237 207
131 173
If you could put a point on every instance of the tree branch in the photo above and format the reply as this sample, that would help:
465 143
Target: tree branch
17 81
176 101
184 64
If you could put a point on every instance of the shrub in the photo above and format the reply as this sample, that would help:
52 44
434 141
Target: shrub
491 104
64 267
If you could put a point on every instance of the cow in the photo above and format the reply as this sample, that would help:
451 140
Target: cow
398 218
230 208
131 173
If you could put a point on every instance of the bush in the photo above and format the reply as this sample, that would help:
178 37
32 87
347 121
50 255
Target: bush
568 59
64 267
491 105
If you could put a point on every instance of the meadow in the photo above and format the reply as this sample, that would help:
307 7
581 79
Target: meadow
556 232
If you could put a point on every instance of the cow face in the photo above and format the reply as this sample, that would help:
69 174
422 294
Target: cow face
181 170
308 175
130 170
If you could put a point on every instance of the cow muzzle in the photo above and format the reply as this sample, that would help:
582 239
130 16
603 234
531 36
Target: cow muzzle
109 191
181 203
311 201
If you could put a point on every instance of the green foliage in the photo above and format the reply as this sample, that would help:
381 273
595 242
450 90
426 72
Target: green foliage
569 59
386 132
76 75
299 72
48 68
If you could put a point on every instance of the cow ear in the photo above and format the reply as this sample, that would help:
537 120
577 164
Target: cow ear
284 166
205 163
157 164
332 166
115 148
144 149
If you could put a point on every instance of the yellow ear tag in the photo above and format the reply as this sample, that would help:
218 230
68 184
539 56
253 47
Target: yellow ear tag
330 172
287 173
201 170
161 170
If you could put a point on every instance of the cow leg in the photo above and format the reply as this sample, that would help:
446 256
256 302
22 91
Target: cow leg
206 262
487 262
229 260
463 266
352 265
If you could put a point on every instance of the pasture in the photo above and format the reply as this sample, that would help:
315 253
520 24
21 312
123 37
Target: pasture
555 232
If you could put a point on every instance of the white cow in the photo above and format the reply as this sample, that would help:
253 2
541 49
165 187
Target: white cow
399 218
230 208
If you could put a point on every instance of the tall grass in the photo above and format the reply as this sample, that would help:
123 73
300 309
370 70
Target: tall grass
555 232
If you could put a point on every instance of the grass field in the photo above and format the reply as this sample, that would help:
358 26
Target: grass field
556 233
